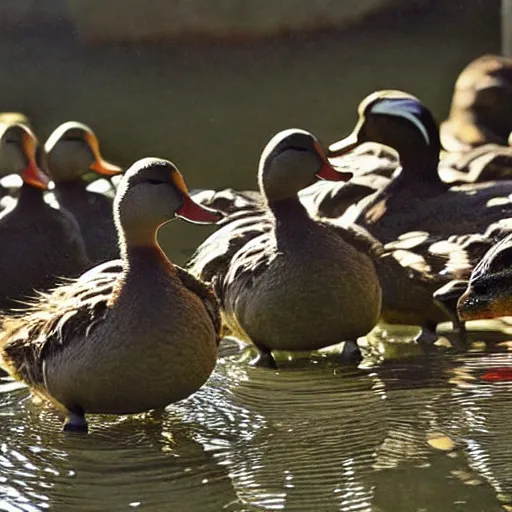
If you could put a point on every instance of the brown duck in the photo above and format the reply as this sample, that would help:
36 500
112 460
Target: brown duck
416 198
72 152
39 244
481 110
127 336
285 281
477 131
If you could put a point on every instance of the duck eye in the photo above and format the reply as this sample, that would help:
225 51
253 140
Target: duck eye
154 181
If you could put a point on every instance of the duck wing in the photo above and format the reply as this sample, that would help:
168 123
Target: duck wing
205 293
212 259
55 319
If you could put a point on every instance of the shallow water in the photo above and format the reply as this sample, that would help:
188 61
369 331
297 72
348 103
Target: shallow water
421 433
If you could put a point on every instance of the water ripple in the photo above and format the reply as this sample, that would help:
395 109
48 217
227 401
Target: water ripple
312 436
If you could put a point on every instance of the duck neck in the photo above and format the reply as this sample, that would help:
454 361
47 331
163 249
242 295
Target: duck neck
291 220
75 189
420 166
31 197
146 260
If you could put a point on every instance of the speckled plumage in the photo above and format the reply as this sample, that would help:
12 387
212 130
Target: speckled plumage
285 281
129 335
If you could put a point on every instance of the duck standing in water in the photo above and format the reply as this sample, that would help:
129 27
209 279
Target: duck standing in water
416 198
73 151
285 281
38 243
127 336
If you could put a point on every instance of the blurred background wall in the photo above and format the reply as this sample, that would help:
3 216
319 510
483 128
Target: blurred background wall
207 82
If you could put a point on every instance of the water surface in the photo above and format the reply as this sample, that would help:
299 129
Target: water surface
420 433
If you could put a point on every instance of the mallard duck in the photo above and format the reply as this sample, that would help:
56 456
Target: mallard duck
285 281
127 336
72 151
416 199
39 244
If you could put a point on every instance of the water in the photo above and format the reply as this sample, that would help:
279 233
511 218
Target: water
405 434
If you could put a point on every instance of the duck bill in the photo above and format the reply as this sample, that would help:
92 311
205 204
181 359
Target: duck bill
196 213
343 146
327 171
100 165
32 174
106 168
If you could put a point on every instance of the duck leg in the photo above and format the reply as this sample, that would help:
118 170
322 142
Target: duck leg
447 298
351 353
264 359
75 422
427 337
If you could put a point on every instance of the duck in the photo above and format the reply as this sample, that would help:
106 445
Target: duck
285 281
481 107
39 244
10 183
410 269
476 134
416 198
129 335
73 152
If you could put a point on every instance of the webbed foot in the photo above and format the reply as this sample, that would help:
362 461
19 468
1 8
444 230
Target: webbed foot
351 353
426 338
264 359
460 343
75 423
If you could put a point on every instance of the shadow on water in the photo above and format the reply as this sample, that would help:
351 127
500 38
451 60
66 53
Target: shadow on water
421 433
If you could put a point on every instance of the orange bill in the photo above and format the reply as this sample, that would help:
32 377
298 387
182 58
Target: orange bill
190 210
32 174
100 165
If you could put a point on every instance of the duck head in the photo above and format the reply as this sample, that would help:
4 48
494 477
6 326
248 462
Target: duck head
73 150
21 154
400 121
152 193
481 109
489 292
291 161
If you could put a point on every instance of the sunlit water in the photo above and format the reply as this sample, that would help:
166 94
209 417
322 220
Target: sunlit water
422 433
